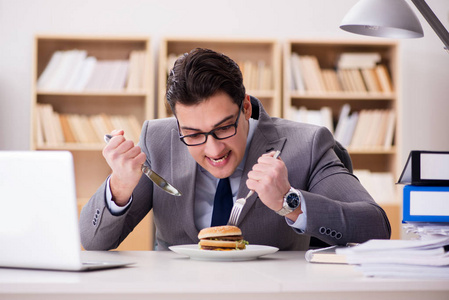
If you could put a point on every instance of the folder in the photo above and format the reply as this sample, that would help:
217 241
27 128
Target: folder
326 255
425 204
430 168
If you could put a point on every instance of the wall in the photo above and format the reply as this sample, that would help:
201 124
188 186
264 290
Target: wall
425 65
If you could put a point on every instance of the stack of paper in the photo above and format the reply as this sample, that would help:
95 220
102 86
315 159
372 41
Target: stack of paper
401 258
427 230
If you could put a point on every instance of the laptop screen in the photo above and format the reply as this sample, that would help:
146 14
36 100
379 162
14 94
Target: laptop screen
38 215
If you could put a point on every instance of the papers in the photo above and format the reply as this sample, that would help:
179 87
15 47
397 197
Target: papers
403 271
401 258
427 230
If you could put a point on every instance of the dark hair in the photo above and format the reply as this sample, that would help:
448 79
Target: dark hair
201 74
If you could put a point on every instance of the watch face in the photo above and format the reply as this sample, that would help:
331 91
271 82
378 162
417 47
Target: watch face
292 200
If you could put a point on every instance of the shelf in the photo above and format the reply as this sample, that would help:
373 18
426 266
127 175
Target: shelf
262 93
113 104
93 93
355 151
338 89
72 147
343 96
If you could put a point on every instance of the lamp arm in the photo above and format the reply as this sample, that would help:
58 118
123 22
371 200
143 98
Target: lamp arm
433 21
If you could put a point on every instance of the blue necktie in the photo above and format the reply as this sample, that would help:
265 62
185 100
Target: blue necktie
222 203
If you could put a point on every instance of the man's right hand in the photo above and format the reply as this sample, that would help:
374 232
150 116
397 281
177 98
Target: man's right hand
125 160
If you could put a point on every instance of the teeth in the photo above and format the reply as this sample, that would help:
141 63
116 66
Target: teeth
219 160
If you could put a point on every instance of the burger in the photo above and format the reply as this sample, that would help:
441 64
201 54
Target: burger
221 238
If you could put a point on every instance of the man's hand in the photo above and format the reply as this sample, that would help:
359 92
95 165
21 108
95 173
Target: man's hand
269 179
125 160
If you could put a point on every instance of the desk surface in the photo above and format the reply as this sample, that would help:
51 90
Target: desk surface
167 275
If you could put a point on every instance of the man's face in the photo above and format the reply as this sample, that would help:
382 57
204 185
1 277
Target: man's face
218 157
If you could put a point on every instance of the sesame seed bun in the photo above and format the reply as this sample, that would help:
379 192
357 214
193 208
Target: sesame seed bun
219 231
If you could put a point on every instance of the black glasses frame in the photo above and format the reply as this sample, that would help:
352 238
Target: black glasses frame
212 132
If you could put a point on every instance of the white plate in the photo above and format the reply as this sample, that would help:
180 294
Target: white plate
251 252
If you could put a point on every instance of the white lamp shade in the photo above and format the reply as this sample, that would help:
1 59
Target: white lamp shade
382 18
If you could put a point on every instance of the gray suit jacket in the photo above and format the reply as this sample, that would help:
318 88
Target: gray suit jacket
339 210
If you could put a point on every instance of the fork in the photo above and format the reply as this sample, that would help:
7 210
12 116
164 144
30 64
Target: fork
239 203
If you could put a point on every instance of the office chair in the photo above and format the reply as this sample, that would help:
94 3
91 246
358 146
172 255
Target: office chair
343 155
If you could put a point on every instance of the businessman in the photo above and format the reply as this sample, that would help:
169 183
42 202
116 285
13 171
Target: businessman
222 137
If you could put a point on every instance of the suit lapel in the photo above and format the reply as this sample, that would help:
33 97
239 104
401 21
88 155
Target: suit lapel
265 139
183 172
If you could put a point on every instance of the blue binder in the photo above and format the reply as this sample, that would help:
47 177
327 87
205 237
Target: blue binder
426 204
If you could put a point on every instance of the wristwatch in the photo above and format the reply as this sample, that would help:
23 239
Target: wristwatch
292 200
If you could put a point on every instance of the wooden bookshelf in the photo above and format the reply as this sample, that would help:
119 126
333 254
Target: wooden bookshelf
135 100
248 53
327 53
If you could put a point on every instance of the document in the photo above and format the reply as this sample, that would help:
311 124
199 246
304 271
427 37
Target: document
401 258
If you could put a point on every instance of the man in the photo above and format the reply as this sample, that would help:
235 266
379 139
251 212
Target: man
220 132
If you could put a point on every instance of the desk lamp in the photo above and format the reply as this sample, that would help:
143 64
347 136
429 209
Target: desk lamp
393 19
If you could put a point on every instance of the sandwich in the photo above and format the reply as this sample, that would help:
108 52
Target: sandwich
221 238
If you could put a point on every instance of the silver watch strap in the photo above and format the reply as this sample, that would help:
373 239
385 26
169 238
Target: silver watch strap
284 211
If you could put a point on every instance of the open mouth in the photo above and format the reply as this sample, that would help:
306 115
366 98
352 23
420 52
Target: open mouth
216 161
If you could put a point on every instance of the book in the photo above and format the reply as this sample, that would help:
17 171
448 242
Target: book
371 80
69 137
297 77
342 123
425 203
389 134
50 70
321 117
384 78
331 82
325 255
356 60
426 168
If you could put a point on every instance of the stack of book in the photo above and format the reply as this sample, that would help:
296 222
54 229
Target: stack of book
353 73
365 129
75 71
426 193
321 117
257 75
56 130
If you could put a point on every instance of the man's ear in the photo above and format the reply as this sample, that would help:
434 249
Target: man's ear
247 107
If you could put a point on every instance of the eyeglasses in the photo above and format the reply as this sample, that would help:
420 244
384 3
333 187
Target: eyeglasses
220 133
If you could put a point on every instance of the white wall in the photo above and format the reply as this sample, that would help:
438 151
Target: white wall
424 64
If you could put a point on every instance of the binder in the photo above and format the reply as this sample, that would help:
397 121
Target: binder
425 204
325 255
429 168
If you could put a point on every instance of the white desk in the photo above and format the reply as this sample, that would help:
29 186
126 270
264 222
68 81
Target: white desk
167 275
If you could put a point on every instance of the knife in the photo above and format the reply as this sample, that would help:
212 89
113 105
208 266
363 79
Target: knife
156 178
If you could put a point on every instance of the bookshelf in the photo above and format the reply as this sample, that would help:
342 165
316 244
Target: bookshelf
259 59
117 85
311 59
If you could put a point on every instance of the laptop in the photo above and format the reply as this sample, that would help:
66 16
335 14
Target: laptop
38 213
